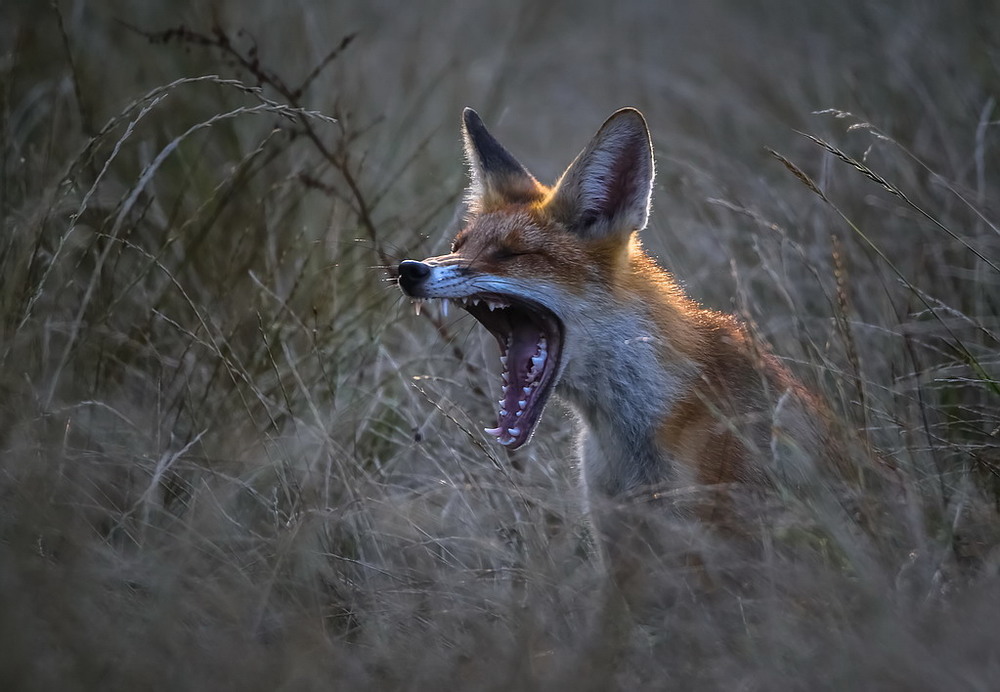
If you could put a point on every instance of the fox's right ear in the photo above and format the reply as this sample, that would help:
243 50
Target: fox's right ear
496 177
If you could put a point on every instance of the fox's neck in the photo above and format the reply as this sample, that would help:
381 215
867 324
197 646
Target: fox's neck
627 365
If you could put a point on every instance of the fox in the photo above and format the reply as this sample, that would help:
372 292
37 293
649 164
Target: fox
667 393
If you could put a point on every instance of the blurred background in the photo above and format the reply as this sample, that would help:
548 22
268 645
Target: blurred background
233 457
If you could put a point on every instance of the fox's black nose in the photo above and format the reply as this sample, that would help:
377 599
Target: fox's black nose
411 275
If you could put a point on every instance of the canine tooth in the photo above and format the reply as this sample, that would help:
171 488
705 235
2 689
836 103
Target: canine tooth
506 443
513 432
416 306
444 307
522 404
493 431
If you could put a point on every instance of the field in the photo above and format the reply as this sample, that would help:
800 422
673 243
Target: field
232 457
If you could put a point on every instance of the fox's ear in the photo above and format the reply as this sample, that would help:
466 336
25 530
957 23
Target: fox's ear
606 189
496 177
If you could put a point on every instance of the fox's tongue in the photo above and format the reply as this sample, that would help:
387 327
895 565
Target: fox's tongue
523 358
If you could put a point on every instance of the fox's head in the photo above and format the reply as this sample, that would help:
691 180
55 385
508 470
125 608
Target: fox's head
536 264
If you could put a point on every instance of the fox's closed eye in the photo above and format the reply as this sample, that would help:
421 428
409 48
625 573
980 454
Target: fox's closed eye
506 253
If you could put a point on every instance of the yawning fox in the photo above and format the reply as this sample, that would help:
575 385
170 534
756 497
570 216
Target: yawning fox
667 392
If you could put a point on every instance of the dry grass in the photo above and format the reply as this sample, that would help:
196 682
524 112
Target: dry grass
234 459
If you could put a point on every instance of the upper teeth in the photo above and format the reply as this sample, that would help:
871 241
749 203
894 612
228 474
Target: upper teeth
467 301
472 301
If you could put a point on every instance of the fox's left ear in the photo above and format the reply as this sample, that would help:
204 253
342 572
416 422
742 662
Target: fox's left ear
496 177
606 189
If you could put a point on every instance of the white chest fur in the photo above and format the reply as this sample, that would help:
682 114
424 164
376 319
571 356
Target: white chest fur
621 389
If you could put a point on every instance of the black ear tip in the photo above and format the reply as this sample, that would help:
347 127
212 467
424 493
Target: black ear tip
629 115
630 110
471 120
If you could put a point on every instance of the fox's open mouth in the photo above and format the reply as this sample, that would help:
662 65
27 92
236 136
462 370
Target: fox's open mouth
531 345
